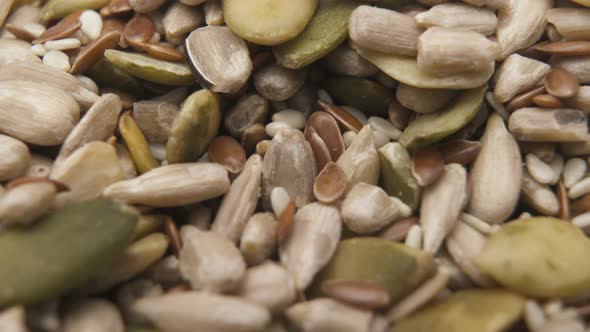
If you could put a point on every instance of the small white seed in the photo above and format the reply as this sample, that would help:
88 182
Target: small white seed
279 199
540 171
582 221
57 59
414 237
385 127
273 128
574 171
294 119
91 24
579 189
38 50
533 315
88 83
62 44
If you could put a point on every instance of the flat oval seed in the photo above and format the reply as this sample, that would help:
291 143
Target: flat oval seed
547 101
139 30
93 52
561 83
294 119
162 52
460 152
579 189
57 59
228 152
571 48
427 166
574 171
330 184
581 205
539 170
359 293
524 99
399 229
327 129
285 225
344 118
91 24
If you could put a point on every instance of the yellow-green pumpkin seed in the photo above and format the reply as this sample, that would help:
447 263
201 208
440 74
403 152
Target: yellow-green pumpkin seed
326 30
54 9
396 174
150 69
106 75
391 265
137 144
540 257
62 250
429 128
195 126
368 96
467 311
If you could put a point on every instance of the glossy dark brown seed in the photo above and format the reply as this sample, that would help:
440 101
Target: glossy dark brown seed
162 52
344 118
399 115
139 30
359 293
285 225
460 151
571 48
547 101
581 205
561 83
94 52
524 99
171 230
64 28
427 166
564 202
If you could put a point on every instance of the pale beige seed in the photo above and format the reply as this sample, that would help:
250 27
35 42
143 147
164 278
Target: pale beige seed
173 185
14 319
312 242
368 209
78 171
414 237
259 238
13 50
240 201
496 174
540 171
210 261
520 24
14 158
181 19
269 285
359 293
277 83
581 100
571 23
460 16
23 204
518 74
423 100
5 8
421 296
324 314
548 125
289 163
203 311
538 196
476 223
132 291
360 161
98 124
88 314
36 113
293 118
574 171
330 184
446 51
57 60
580 188
279 200
125 161
384 30
441 205
464 244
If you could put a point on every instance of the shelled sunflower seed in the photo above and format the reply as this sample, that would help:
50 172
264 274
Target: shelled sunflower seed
312 165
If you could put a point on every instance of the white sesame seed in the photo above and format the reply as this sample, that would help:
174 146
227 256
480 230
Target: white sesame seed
38 50
35 29
62 44
295 119
579 189
414 237
279 200
273 128
574 171
533 315
57 59
91 24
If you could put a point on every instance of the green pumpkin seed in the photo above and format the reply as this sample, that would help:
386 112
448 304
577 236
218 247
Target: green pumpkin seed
326 30
540 257
429 128
392 265
396 172
62 250
105 74
136 258
467 311
150 69
195 126
54 9
405 69
368 96
268 22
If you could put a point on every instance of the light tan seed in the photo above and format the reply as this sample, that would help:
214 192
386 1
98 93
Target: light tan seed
571 48
464 245
561 83
228 152
360 161
180 19
173 185
548 125
24 203
5 8
86 314
399 229
14 319
384 30
39 166
540 171
427 166
330 184
518 74
210 261
324 314
269 285
580 188
574 171
259 238
441 205
368 209
460 16
313 240
539 196
521 24
571 23
423 100
240 201
358 293
14 158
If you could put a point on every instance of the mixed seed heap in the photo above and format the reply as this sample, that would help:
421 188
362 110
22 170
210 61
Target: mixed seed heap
294 165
